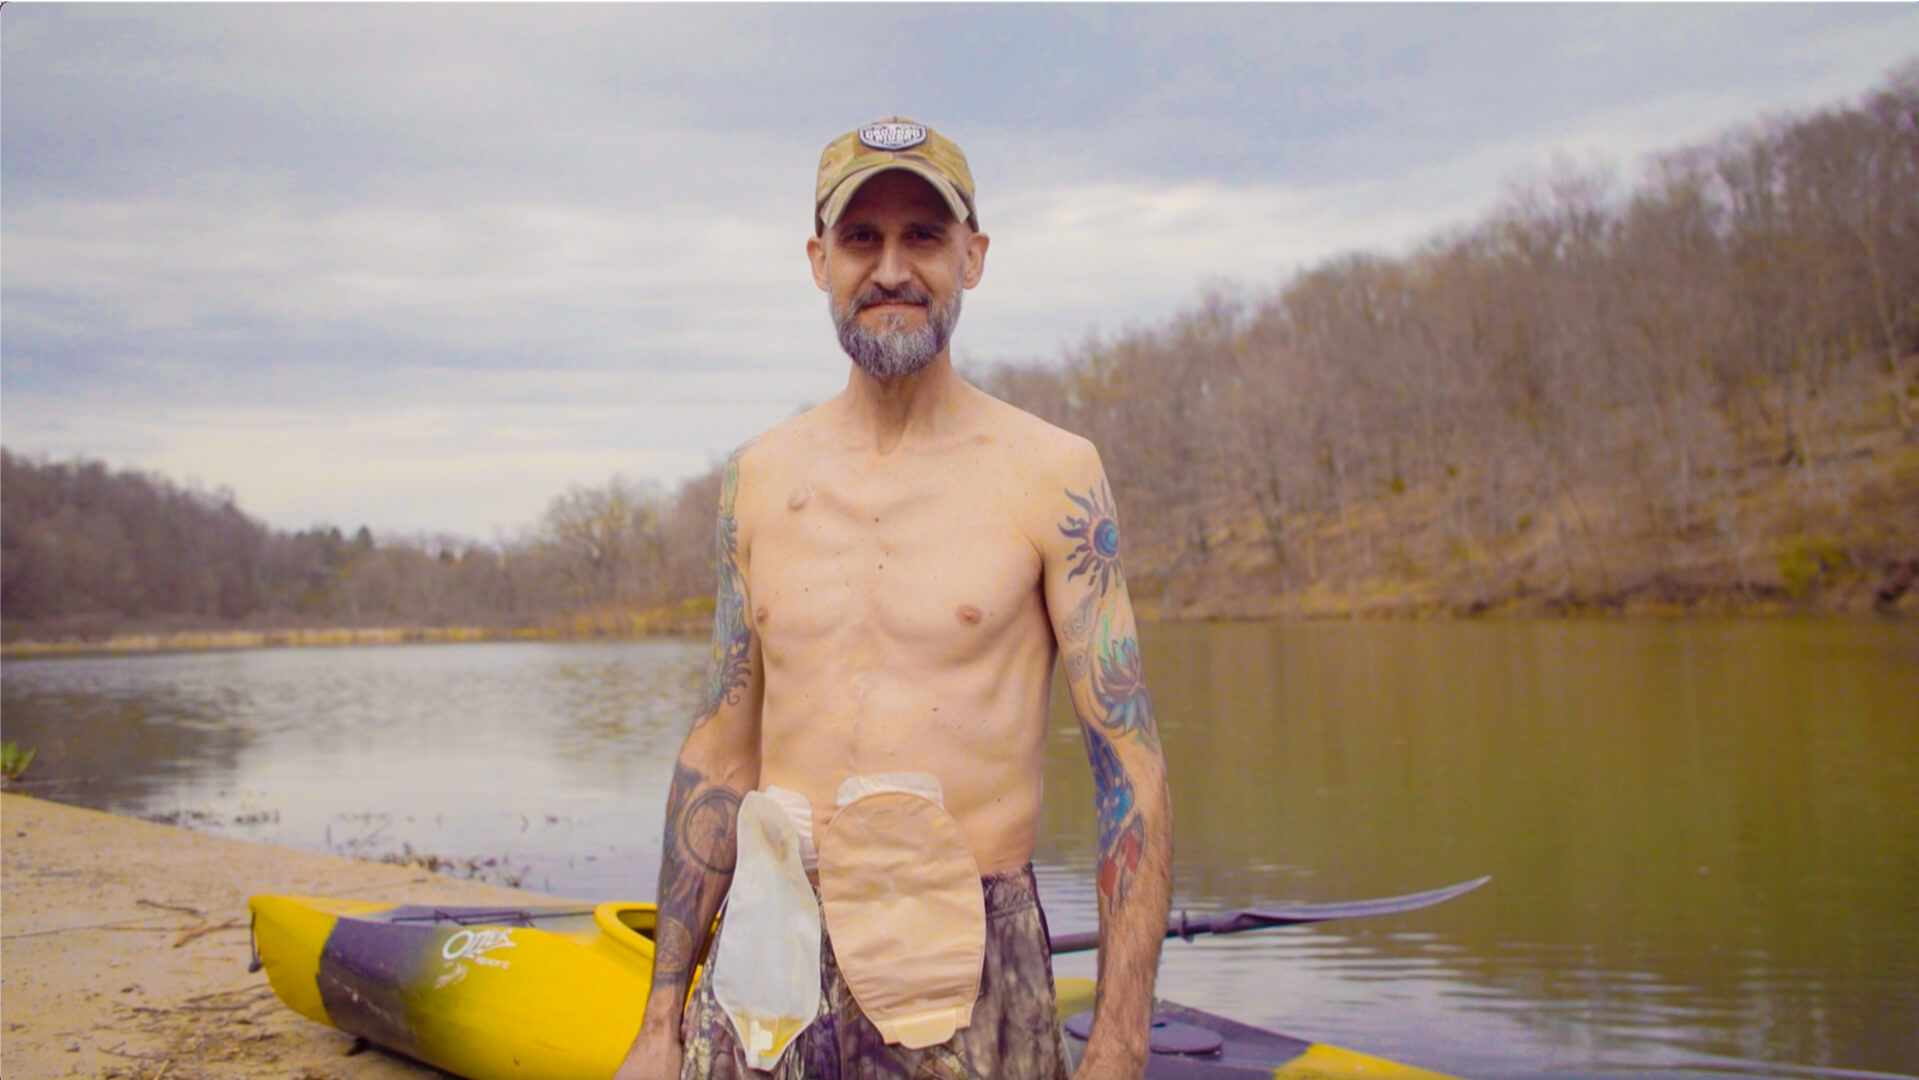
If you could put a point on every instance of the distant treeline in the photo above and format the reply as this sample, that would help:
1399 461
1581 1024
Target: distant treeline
1704 385
90 551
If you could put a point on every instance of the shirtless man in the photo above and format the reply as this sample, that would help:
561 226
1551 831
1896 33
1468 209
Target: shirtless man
899 569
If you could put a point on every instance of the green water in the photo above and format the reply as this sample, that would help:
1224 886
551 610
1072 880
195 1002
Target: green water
1704 837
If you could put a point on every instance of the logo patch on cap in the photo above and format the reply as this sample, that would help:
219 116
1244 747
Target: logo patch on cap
892 136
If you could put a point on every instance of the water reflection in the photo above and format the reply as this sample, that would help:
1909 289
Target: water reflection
120 734
1702 835
621 709
548 760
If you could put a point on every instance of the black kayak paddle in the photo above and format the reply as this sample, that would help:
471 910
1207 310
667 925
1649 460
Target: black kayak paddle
1234 922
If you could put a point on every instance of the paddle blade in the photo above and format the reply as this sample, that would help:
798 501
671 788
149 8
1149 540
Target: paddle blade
1234 922
1293 915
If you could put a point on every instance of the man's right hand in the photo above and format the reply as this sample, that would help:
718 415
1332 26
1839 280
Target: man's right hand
652 1057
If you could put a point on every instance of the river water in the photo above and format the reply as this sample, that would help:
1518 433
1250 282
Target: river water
1704 836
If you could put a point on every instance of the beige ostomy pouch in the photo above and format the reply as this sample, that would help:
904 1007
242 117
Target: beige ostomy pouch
766 964
901 894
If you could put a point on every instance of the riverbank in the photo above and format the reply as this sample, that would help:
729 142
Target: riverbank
684 619
1837 536
124 951
1657 598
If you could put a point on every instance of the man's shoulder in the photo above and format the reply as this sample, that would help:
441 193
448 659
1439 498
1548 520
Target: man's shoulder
1041 446
776 444
1048 466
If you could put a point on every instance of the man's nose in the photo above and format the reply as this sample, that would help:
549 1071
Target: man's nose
892 271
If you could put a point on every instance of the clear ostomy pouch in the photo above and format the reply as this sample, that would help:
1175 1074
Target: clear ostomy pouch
766 964
801 813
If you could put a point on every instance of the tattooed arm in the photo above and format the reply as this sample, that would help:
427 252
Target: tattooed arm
1093 622
718 764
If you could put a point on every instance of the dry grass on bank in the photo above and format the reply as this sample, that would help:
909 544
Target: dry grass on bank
679 619
1830 536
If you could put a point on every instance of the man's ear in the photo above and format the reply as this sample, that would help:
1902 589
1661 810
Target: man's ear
975 258
816 254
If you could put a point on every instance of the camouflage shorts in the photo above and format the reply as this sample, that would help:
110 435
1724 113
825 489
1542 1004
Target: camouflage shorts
1014 1034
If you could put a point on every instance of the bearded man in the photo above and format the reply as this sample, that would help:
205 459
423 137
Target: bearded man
899 570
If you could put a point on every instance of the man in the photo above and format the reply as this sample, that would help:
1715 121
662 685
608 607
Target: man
898 570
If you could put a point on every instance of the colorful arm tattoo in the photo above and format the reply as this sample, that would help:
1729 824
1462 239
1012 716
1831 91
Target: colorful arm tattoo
1109 662
732 634
1095 539
1119 686
1122 831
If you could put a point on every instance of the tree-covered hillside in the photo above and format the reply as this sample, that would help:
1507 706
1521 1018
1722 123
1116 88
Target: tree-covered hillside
1697 390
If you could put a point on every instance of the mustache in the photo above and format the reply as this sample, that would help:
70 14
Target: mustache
905 294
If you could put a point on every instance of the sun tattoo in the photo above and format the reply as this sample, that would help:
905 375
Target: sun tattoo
1095 539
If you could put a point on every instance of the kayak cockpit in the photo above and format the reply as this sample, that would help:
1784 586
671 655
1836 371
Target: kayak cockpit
628 924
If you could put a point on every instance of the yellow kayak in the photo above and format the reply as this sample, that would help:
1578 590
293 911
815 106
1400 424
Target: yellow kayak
556 992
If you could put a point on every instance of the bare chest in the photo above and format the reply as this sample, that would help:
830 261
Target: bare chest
936 566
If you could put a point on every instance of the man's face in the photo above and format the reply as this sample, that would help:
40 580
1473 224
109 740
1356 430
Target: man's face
893 268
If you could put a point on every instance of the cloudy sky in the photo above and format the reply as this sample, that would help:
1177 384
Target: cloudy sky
425 267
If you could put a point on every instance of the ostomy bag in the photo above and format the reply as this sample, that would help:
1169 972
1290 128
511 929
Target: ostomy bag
766 963
914 783
901 894
801 813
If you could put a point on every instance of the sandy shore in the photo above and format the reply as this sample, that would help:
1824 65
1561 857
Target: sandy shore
124 950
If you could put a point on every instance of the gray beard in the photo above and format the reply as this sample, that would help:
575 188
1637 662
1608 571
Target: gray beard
893 353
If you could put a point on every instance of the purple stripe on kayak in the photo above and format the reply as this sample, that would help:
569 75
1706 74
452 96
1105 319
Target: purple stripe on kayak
368 970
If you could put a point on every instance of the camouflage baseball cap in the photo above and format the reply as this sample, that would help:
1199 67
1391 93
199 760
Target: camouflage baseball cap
892 143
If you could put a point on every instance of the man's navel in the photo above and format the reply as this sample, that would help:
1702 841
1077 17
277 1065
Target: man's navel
968 614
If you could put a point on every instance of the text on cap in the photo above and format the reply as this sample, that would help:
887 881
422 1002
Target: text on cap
892 136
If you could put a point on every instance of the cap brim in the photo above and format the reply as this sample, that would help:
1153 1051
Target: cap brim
836 203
